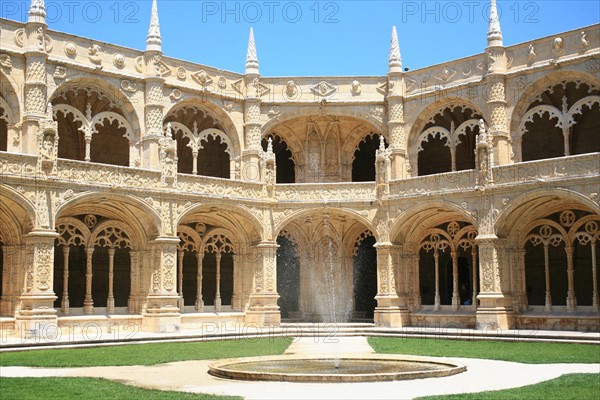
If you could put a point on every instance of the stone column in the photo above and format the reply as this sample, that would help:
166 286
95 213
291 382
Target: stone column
110 301
35 87
88 302
391 311
180 255
455 292
218 257
495 304
236 301
153 110
263 309
571 299
64 304
496 103
36 312
162 311
199 301
252 128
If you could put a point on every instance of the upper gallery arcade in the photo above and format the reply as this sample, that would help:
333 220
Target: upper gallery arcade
159 190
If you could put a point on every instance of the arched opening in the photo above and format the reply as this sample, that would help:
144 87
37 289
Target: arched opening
585 137
91 127
189 288
448 265
217 267
563 120
363 165
286 169
202 147
109 146
542 140
435 157
288 277
559 252
365 278
447 141
213 159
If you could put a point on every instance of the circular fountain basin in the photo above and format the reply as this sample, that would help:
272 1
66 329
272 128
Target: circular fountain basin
367 368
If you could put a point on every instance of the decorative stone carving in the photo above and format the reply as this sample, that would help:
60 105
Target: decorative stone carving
383 168
20 37
139 64
5 61
60 72
175 94
70 49
222 82
95 54
129 86
181 73
584 43
119 60
446 74
558 47
531 56
355 88
202 78
291 90
168 157
323 89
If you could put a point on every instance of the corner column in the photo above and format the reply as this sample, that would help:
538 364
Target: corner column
391 311
162 311
495 305
263 309
37 300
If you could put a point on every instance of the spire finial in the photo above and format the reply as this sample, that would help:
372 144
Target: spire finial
251 57
37 12
494 35
154 41
395 60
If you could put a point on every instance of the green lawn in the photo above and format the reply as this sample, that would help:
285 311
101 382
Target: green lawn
566 387
524 352
145 354
88 388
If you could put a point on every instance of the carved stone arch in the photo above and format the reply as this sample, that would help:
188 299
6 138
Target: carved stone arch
114 234
190 240
295 146
533 91
442 234
9 117
447 120
105 88
68 225
238 219
9 92
535 204
296 235
223 119
426 114
97 103
332 211
541 111
577 108
358 239
307 111
581 222
355 137
139 215
6 113
17 208
527 230
408 226
220 240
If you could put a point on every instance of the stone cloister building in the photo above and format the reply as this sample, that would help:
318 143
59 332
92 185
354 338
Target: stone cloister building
140 189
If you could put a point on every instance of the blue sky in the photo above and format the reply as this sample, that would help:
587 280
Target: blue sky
308 38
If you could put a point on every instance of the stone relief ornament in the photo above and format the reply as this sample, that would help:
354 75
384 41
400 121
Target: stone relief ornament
531 56
175 94
60 72
323 89
273 111
291 90
139 64
584 43
70 49
558 47
202 78
119 61
129 86
20 37
5 61
181 73
355 88
228 105
222 82
95 54
383 88
446 74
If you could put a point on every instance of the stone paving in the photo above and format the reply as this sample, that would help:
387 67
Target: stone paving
191 376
